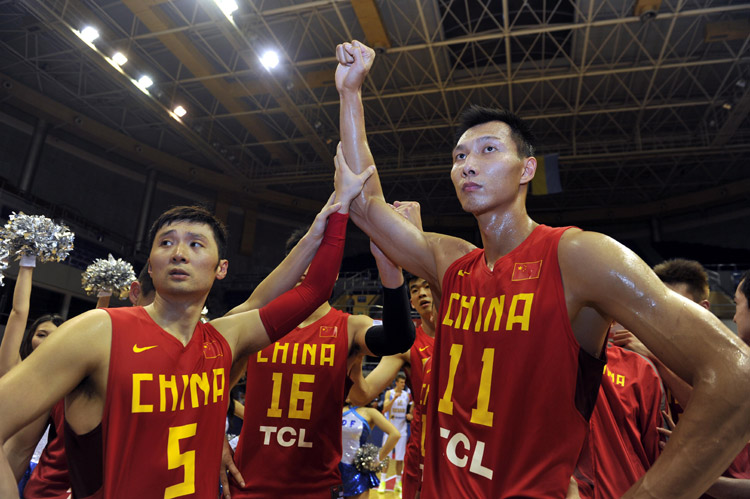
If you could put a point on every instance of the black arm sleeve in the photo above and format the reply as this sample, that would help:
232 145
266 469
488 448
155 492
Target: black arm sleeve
397 333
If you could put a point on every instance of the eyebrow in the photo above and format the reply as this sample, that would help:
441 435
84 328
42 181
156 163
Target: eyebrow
483 138
195 235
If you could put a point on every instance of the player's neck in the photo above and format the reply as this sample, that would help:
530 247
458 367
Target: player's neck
319 313
427 326
176 317
503 231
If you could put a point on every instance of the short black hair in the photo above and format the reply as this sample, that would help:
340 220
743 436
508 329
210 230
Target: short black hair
682 271
295 238
409 277
400 375
745 286
26 347
196 214
147 285
520 130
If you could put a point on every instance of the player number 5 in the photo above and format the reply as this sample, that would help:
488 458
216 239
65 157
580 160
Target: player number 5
175 460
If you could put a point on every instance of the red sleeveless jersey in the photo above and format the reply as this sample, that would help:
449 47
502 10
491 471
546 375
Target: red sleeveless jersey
163 420
290 444
419 353
49 480
415 447
511 389
623 441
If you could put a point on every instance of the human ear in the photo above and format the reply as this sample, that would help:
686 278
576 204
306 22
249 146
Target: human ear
529 169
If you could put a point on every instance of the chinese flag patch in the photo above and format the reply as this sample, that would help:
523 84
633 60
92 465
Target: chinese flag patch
211 350
526 271
328 331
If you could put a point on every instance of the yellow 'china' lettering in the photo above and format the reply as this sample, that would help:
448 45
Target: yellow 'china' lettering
172 390
496 307
280 347
447 321
219 389
163 385
467 303
523 319
469 309
199 381
479 315
136 405
326 354
310 350
185 384
294 353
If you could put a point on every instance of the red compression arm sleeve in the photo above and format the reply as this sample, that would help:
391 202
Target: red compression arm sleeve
285 312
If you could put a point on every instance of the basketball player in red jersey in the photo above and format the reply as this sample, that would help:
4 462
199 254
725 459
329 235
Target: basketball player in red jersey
522 325
379 378
414 360
290 444
147 386
49 479
623 440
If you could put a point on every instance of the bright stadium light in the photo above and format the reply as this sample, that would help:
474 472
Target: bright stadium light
89 34
180 111
119 59
145 81
269 59
228 7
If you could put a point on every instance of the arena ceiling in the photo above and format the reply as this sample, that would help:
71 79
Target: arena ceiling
646 102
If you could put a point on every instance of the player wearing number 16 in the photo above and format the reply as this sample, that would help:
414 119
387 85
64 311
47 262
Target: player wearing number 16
290 445
523 320
147 387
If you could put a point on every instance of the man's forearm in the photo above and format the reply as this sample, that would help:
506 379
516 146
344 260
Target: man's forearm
388 404
354 143
367 388
8 485
730 488
711 432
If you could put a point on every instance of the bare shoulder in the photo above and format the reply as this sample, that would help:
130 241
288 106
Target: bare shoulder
78 349
357 323
367 412
244 331
600 272
93 325
87 336
446 249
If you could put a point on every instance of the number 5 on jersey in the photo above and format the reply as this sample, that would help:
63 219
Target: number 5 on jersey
176 459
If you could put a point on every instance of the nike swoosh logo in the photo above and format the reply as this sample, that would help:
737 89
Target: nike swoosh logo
424 348
462 273
137 349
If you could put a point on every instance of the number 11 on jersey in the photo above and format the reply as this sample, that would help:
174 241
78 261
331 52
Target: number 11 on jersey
481 413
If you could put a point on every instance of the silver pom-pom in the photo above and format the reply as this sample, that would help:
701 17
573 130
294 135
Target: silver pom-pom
3 263
36 235
366 459
111 274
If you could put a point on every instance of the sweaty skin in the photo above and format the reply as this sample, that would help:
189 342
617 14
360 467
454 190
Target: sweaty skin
602 280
